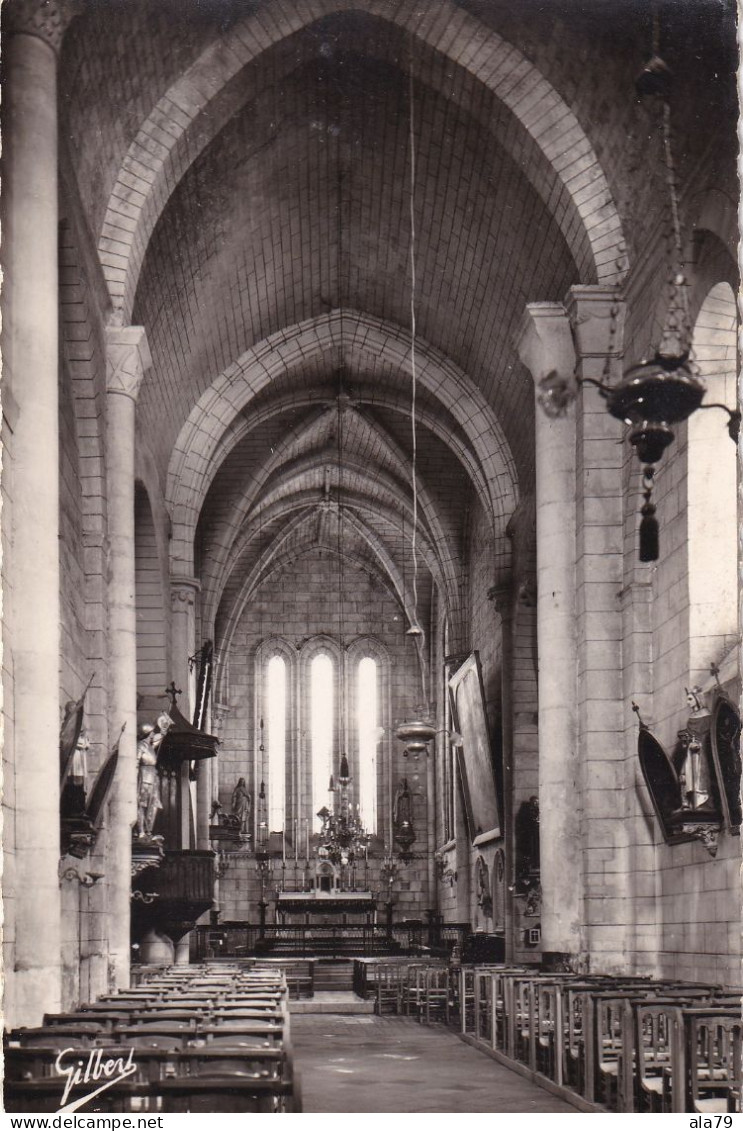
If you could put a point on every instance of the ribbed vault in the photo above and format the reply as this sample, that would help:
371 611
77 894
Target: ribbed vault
254 212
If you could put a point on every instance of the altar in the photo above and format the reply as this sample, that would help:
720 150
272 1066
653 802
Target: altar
354 908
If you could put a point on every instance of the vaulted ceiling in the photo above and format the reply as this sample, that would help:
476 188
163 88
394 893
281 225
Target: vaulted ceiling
246 173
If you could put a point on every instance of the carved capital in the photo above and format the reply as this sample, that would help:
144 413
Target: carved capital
45 19
502 598
127 359
545 346
220 711
183 592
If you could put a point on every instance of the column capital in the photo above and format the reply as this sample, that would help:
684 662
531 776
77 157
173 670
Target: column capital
44 19
127 359
183 592
544 341
220 711
502 598
597 317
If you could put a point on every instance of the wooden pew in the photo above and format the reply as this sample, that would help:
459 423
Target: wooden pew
211 1041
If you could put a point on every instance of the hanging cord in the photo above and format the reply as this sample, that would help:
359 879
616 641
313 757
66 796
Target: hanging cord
655 42
341 586
339 424
413 372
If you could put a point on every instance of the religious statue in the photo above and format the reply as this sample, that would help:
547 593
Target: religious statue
484 896
527 845
694 771
77 777
242 805
148 779
69 734
402 812
402 818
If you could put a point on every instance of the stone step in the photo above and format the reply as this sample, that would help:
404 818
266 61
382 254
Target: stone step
332 1001
333 976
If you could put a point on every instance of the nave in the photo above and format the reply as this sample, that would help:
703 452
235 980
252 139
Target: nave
410 1036
392 1064
370 528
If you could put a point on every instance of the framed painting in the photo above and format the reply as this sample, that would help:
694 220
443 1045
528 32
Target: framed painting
475 755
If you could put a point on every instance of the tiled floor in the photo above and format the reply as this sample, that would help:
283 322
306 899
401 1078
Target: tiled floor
393 1064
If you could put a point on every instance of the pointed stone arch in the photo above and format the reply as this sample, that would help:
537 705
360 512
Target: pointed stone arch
167 142
353 336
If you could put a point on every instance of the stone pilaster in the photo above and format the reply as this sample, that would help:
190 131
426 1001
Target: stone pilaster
545 346
127 360
597 318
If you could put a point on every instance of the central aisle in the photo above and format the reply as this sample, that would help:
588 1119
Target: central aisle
393 1064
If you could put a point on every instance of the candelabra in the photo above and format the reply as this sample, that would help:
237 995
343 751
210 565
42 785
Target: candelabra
389 869
343 838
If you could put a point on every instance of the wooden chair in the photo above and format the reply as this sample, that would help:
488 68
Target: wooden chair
574 1046
414 990
388 986
467 999
653 1059
714 1061
523 1010
436 990
483 1004
547 1027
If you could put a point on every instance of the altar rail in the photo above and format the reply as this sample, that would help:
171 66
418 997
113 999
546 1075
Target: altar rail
240 940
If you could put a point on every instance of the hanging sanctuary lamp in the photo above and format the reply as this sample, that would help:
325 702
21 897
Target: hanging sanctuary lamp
662 391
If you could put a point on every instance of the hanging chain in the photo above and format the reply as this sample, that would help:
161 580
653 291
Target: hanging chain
677 330
613 318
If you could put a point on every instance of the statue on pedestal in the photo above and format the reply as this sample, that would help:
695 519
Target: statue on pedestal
402 819
242 805
148 779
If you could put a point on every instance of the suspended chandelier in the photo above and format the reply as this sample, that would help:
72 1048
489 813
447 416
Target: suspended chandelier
663 390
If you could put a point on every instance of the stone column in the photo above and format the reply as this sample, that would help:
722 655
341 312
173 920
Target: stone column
127 359
183 593
219 713
30 358
545 346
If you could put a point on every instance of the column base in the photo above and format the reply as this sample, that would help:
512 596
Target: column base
562 962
